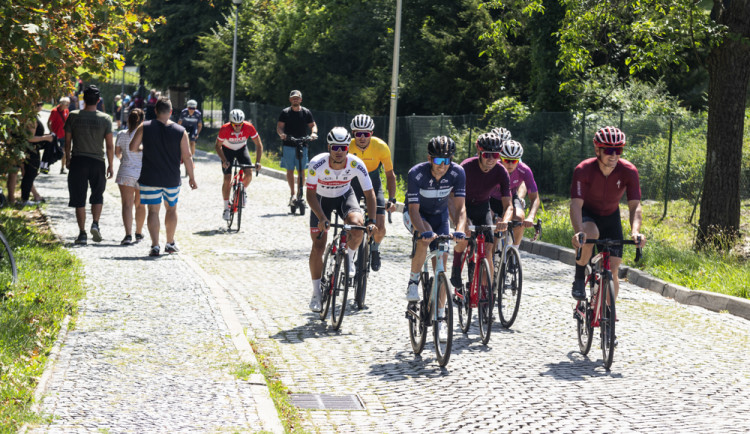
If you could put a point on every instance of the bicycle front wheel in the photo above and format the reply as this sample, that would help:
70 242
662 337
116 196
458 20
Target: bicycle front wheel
607 322
363 270
443 349
463 300
416 313
485 301
584 330
509 286
8 270
340 289
327 281
239 199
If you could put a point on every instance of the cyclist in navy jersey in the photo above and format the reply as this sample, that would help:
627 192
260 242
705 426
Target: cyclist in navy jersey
429 189
598 185
192 119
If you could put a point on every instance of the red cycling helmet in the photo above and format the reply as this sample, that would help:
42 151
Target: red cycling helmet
609 137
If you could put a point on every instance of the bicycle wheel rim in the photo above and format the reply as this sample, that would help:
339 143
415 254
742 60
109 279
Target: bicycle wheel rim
338 298
607 325
485 303
443 349
509 288
583 326
8 269
326 283
240 203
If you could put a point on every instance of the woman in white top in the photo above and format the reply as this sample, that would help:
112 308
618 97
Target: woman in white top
127 179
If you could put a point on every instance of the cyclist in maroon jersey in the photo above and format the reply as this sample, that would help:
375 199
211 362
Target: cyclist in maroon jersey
598 185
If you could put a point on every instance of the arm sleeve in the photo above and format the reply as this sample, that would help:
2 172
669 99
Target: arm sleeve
634 186
223 134
412 188
459 189
252 132
504 183
363 176
386 158
530 181
312 176
578 186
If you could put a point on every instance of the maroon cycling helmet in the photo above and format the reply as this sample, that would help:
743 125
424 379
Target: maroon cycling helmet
610 137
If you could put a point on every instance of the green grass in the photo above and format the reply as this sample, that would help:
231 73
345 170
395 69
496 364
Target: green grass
668 254
31 311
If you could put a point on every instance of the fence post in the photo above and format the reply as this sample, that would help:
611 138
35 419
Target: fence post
471 128
620 120
669 163
583 134
441 123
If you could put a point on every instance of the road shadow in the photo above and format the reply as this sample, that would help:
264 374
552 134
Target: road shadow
408 365
578 368
265 216
314 328
211 232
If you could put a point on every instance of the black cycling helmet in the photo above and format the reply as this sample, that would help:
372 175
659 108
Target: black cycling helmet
489 142
441 146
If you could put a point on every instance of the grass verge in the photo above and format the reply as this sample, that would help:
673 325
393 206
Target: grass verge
669 254
31 311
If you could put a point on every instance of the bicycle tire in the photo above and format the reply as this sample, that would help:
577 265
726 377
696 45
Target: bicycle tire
340 290
363 271
509 288
485 302
607 323
240 201
8 261
326 282
463 303
583 326
443 349
417 315
301 208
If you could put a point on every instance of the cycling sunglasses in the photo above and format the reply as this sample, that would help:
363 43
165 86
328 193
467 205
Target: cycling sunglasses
441 160
493 155
510 160
360 134
236 125
339 148
612 151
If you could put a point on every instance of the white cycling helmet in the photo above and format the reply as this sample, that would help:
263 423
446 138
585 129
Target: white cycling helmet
512 150
236 116
503 133
339 136
192 103
362 123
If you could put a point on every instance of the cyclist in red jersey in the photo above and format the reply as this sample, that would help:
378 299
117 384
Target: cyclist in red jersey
598 185
231 144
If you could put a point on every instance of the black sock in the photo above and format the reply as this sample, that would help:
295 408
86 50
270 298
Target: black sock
580 272
457 260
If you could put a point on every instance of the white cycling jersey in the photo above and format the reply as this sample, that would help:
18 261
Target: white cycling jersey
334 183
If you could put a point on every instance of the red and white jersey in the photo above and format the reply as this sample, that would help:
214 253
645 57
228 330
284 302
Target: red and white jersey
234 140
334 183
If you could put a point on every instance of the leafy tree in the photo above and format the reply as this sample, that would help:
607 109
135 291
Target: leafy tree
41 39
168 53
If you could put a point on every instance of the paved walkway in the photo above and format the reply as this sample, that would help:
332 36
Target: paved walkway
150 352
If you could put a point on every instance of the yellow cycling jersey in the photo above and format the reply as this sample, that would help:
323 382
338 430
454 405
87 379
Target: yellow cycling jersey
378 152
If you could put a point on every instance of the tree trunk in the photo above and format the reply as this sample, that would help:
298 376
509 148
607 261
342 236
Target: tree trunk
729 70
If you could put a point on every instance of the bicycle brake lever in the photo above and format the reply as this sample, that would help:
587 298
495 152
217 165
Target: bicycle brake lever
638 250
580 249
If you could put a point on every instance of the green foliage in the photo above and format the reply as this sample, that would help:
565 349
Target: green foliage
31 312
39 39
505 108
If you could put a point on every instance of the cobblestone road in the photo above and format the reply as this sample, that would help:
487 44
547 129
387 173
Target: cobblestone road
676 368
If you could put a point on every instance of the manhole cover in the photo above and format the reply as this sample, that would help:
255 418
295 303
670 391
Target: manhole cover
314 401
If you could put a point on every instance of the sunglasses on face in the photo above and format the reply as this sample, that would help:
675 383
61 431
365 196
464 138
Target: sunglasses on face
612 151
441 160
339 148
510 160
235 125
360 134
493 155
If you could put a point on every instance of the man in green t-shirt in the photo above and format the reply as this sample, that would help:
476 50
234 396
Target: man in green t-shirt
85 132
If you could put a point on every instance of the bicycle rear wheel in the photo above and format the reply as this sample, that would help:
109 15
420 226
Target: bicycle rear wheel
443 349
8 270
463 299
583 326
417 316
340 290
485 302
607 322
509 286
363 271
239 199
327 281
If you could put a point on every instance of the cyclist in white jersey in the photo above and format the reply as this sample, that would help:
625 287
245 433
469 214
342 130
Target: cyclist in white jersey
329 177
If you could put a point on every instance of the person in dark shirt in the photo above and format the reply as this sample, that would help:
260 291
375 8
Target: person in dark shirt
294 122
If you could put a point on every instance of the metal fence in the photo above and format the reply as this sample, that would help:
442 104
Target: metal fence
669 151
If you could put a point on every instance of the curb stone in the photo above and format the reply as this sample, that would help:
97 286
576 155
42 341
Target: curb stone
708 300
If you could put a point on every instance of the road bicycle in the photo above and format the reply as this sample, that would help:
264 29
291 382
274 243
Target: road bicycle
509 273
300 143
237 196
424 313
477 292
363 263
598 308
335 281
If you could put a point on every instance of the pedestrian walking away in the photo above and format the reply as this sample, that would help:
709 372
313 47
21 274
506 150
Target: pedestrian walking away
294 122
127 179
164 144
56 124
85 132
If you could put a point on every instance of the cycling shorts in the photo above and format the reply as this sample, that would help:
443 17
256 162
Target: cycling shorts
480 214
343 205
609 226
241 155
377 186
438 223
497 205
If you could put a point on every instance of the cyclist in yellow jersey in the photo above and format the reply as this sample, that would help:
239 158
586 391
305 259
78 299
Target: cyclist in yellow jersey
374 152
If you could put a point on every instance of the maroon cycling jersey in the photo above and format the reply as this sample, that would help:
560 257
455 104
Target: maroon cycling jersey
601 194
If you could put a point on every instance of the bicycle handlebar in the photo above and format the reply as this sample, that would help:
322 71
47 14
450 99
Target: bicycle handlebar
607 242
246 166
300 140
346 227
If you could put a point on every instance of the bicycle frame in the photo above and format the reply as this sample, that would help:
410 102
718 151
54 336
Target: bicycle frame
477 254
437 254
599 269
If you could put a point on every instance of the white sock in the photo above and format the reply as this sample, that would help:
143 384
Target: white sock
226 204
316 286
351 254
441 312
415 276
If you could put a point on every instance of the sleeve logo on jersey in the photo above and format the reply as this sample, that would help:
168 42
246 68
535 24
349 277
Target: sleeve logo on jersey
318 164
327 172
353 164
312 172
